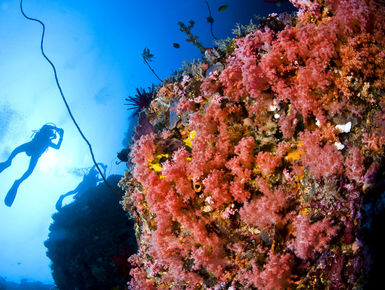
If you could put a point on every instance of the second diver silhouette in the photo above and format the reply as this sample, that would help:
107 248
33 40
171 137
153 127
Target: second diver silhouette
41 141
89 180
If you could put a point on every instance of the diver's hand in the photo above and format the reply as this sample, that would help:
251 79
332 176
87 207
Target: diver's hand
60 131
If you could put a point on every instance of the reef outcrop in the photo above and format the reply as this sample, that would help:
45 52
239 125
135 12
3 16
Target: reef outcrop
90 240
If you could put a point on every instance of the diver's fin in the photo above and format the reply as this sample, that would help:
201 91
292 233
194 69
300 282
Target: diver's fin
59 203
3 165
11 194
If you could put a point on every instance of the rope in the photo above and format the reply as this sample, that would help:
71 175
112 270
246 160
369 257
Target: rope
210 19
64 99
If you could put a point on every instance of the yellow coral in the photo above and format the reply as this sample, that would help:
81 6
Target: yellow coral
156 167
295 154
188 140
155 163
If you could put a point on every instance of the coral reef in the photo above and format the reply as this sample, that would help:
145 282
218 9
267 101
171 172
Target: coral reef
90 240
260 159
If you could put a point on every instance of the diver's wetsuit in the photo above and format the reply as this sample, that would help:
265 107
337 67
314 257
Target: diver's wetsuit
89 180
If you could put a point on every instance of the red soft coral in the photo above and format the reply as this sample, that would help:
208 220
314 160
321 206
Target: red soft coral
231 79
241 164
276 273
268 162
252 74
212 144
238 191
354 164
185 105
321 160
139 276
211 84
287 123
311 238
142 153
216 184
263 211
176 172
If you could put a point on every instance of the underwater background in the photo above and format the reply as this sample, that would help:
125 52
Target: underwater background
97 49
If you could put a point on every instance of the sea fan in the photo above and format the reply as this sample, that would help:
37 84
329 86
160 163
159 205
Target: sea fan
141 100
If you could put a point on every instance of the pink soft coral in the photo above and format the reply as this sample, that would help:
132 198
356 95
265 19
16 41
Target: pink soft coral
288 123
321 160
142 153
276 273
355 165
263 212
216 184
268 162
242 163
185 105
211 84
231 79
176 172
252 74
311 238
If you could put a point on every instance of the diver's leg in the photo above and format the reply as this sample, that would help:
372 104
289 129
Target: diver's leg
8 162
10 197
31 167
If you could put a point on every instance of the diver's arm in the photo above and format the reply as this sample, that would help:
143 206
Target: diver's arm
61 133
104 170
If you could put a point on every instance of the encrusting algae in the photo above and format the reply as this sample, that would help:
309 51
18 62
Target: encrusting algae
254 172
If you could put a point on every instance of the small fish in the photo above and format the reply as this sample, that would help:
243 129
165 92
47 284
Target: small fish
277 2
223 7
176 45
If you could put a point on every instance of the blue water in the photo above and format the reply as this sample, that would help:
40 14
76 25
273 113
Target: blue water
96 47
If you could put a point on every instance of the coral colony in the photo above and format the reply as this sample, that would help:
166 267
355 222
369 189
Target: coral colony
253 166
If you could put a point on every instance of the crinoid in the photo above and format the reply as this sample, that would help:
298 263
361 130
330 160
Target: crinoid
147 58
140 101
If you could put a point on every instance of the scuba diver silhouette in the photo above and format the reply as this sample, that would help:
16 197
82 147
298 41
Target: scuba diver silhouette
90 180
42 139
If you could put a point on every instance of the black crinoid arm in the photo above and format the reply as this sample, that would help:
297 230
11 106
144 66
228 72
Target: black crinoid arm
141 100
